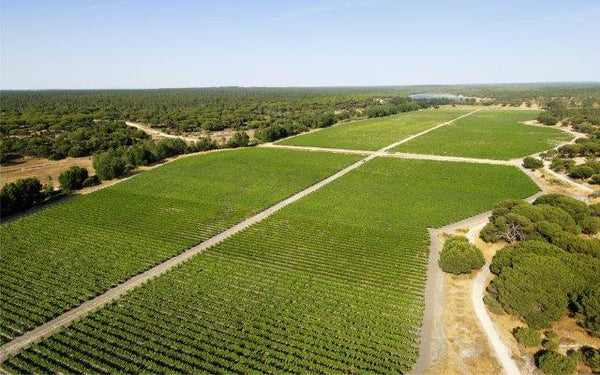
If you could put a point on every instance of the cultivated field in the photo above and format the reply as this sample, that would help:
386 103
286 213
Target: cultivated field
55 259
373 134
332 283
492 134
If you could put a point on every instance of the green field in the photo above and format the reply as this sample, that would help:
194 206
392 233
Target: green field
374 134
492 134
332 284
53 260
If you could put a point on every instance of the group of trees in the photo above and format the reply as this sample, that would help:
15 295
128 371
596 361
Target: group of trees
57 124
549 269
72 139
553 218
76 178
20 195
551 251
25 193
117 162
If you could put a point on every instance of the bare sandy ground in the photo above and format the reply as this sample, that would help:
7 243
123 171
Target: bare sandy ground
41 168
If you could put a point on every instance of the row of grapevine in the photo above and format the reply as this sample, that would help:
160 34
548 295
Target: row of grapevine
376 133
54 260
333 283
490 133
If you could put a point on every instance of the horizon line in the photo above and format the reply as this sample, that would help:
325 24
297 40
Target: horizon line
309 87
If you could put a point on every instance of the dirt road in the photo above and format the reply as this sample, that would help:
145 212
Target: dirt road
147 129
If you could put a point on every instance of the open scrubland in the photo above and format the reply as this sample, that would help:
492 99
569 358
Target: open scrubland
491 134
55 259
331 283
373 134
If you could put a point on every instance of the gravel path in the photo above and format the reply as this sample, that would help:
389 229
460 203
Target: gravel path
502 352
149 130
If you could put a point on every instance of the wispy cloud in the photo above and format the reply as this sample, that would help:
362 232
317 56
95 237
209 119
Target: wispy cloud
326 7
563 16
305 11
96 7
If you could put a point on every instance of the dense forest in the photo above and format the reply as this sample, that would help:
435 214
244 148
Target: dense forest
57 124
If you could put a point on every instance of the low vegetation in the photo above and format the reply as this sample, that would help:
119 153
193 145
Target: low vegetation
492 134
459 256
553 363
373 134
527 336
101 239
332 283
532 163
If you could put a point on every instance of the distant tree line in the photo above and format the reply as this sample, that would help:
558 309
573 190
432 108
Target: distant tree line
74 139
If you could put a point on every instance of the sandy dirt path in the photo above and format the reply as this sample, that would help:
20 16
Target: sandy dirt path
432 331
150 131
68 317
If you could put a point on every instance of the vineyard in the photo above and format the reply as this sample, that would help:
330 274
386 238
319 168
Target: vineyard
492 134
373 134
53 260
331 283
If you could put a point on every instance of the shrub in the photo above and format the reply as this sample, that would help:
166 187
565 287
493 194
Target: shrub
72 178
91 181
202 144
588 308
141 154
109 165
550 345
239 139
20 195
590 224
554 363
459 256
170 147
546 118
527 336
551 335
560 164
591 357
575 355
581 172
595 179
532 163
271 133
594 209
493 305
571 150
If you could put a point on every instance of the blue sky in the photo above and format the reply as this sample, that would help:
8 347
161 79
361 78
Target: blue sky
145 44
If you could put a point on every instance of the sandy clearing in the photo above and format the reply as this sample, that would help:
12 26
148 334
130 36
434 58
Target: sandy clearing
41 168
